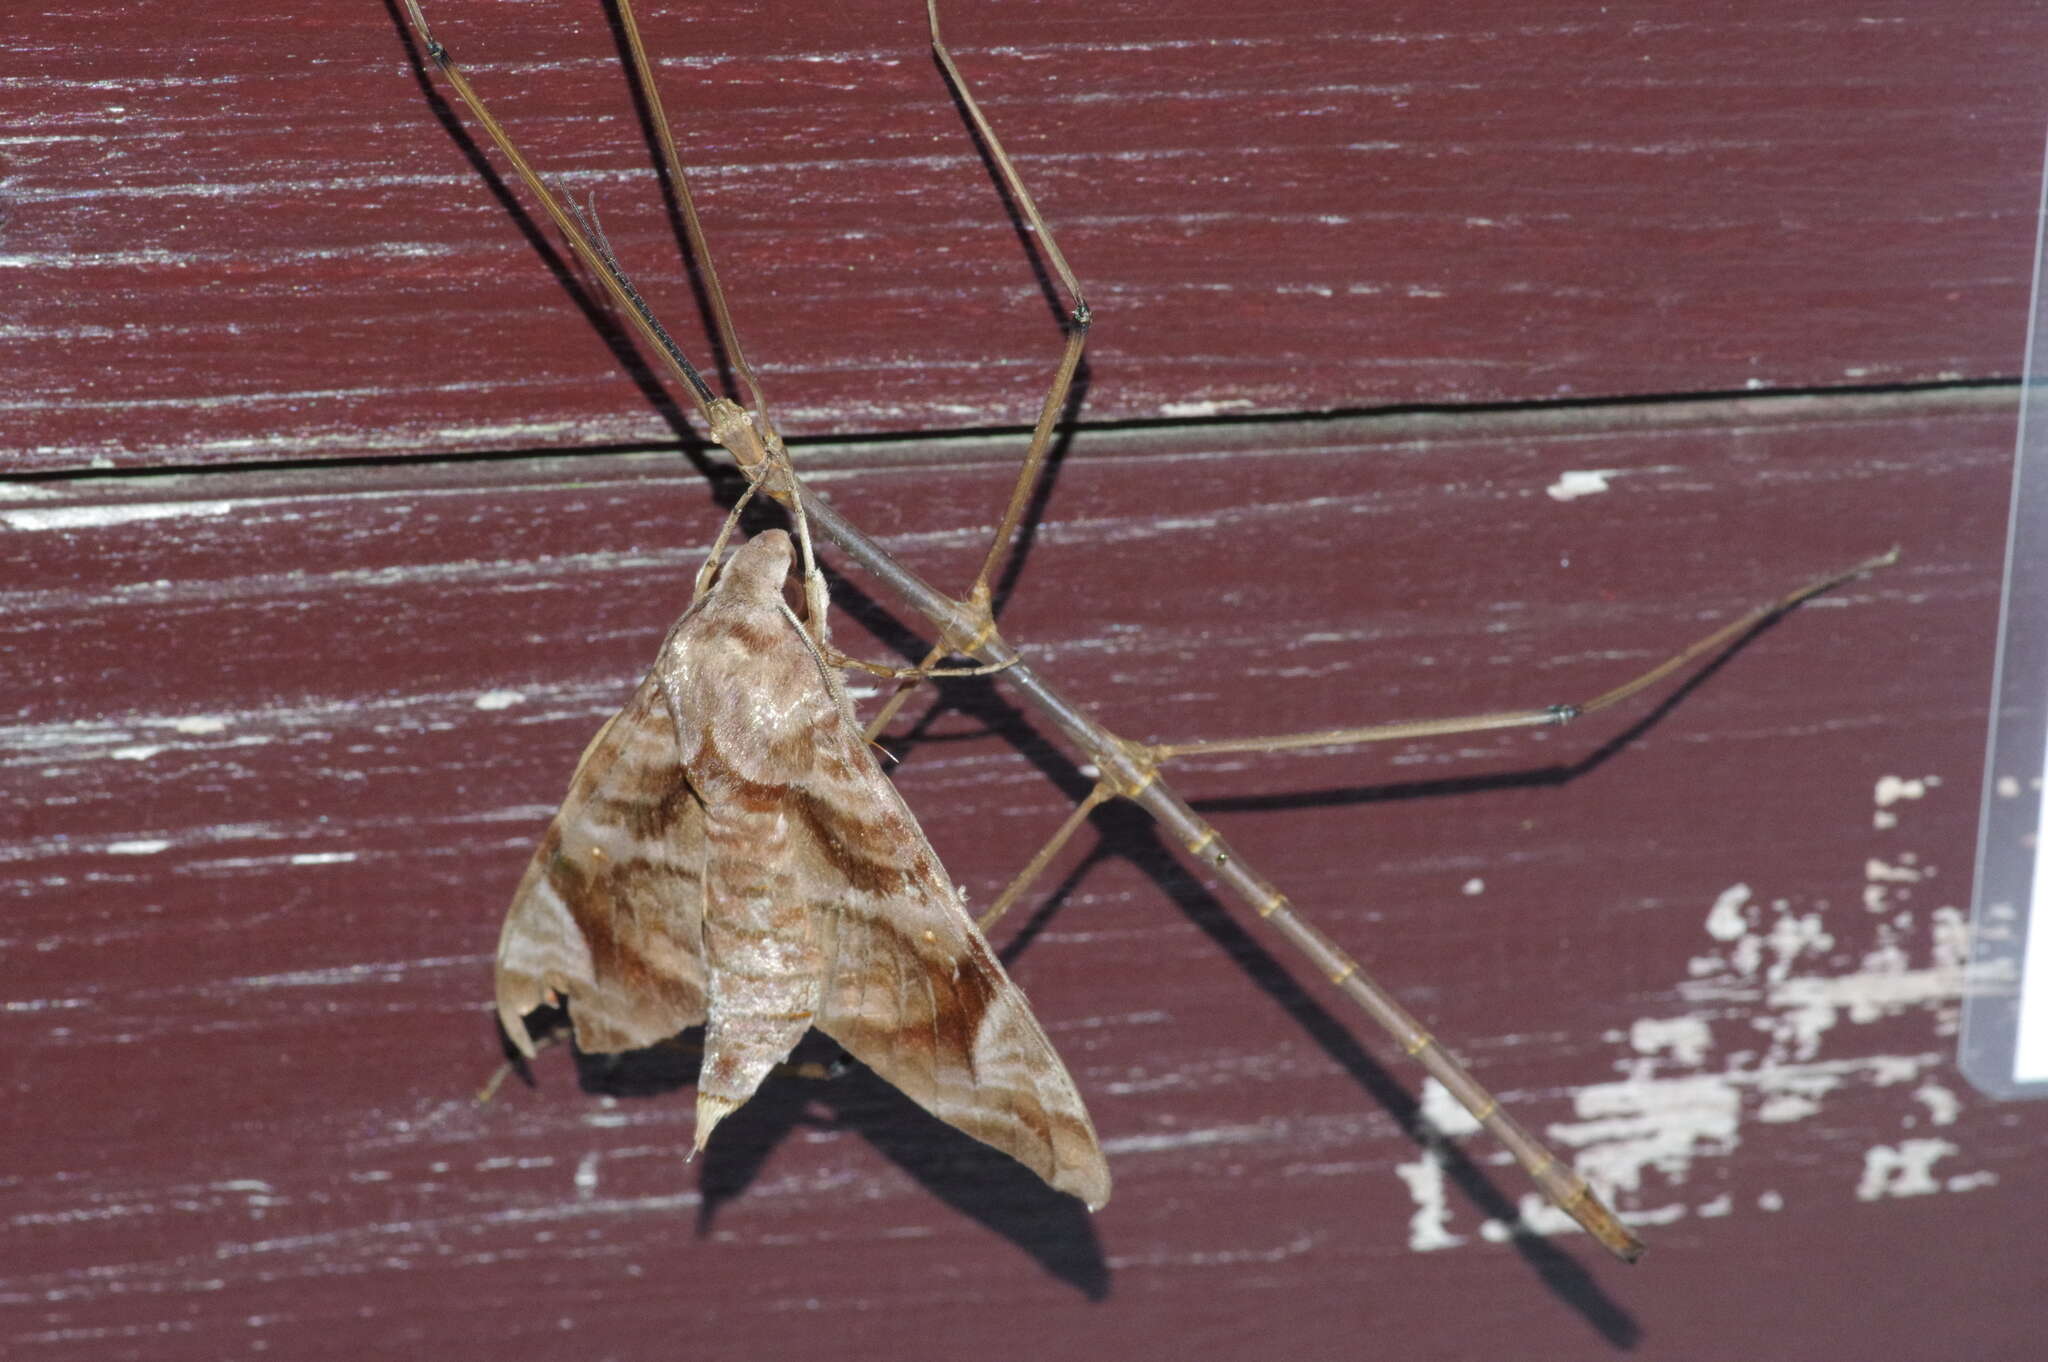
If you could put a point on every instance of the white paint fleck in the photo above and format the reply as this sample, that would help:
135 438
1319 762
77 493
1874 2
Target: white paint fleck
1792 937
201 724
2008 788
498 699
1942 1104
1785 1107
1874 869
586 1175
1687 1038
140 752
1475 885
1770 1201
1970 1182
1904 1169
1429 1227
1186 1139
1630 1127
1814 1004
1445 1113
1196 410
1726 920
41 1004
1891 790
1723 1204
1575 483
322 857
103 517
141 846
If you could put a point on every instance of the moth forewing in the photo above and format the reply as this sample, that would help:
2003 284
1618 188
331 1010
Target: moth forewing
731 854
608 912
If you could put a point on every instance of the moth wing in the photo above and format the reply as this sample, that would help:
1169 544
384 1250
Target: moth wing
610 913
913 991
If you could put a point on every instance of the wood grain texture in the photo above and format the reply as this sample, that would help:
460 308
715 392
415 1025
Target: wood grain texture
281 732
291 735
260 239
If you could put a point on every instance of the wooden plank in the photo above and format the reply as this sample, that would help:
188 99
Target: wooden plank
263 238
280 741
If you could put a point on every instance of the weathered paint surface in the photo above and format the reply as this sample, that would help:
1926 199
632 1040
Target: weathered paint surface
280 732
259 241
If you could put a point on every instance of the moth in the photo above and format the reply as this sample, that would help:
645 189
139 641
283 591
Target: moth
731 855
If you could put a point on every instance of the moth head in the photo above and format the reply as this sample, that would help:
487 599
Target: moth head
757 569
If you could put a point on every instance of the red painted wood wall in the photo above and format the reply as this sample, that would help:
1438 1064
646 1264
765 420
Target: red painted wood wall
338 516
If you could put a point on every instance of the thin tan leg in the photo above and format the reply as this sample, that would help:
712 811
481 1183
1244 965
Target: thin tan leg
1077 321
693 228
1527 718
568 222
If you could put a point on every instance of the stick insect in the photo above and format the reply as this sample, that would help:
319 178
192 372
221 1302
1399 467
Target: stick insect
965 624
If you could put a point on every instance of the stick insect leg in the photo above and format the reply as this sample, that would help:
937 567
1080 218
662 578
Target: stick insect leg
1148 757
1132 772
775 468
595 256
1545 715
1076 327
693 227
750 438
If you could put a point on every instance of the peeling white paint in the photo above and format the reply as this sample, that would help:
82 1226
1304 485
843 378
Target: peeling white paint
1904 1169
586 1175
201 723
1445 1113
1575 483
1891 790
1726 921
1643 1123
1687 1038
498 699
1786 1107
1812 1005
104 517
1942 1104
1186 1139
1197 410
1475 885
1746 1055
141 846
1429 1227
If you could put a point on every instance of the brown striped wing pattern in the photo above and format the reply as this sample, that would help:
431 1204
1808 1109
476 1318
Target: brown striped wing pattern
731 853
609 914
